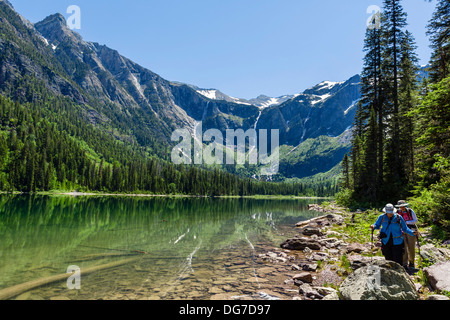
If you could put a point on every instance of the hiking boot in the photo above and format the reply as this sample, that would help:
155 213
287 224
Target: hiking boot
411 265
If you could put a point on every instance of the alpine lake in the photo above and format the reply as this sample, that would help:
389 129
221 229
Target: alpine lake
172 248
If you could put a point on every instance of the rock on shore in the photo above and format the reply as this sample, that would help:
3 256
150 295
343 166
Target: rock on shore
438 276
382 280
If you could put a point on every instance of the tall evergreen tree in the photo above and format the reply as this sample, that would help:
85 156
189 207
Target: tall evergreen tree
438 30
393 23
433 132
408 100
371 73
345 180
369 160
355 152
355 168
372 92
3 151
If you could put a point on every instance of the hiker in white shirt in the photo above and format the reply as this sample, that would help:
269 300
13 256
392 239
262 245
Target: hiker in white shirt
410 241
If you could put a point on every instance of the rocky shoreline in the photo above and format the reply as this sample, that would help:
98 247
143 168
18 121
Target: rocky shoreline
329 264
330 257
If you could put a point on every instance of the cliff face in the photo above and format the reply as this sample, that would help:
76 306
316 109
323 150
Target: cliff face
122 96
327 109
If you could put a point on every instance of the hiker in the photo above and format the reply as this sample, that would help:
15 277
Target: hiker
392 227
410 242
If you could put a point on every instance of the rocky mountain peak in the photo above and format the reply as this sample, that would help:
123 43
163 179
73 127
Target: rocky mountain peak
55 29
55 21
7 3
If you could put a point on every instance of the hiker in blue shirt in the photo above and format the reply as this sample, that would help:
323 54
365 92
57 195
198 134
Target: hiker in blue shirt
392 228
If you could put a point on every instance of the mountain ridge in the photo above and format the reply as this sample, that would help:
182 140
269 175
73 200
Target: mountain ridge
135 104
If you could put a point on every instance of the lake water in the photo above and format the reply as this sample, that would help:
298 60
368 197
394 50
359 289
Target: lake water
182 248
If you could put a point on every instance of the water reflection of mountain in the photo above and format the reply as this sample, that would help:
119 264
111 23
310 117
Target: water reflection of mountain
45 233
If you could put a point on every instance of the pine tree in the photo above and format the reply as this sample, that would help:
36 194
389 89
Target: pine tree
408 100
369 160
393 23
3 151
433 152
371 74
356 167
432 116
345 180
29 184
438 30
433 142
372 91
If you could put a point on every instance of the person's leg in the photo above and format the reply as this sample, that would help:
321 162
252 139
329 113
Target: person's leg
386 250
406 251
397 253
411 250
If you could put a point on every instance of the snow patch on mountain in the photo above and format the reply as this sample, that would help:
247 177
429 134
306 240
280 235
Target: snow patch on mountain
353 105
269 102
137 85
328 84
210 94
215 94
320 99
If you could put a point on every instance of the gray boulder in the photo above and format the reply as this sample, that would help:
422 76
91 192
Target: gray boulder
309 267
297 243
309 231
356 247
437 297
309 292
438 276
433 254
322 221
359 261
335 219
332 297
304 277
382 280
332 243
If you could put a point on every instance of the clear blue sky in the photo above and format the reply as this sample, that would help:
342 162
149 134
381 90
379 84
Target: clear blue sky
242 47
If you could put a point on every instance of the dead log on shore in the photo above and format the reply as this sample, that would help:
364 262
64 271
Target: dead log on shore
307 222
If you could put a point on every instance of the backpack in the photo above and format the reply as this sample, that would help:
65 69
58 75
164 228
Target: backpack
408 214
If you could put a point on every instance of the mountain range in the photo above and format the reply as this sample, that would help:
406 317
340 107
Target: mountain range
139 107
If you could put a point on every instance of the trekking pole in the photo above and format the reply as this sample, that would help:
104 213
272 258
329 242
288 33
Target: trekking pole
371 248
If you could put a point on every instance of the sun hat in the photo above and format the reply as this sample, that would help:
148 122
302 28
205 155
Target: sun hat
389 208
401 203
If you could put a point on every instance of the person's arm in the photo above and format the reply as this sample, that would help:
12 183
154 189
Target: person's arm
377 224
414 217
